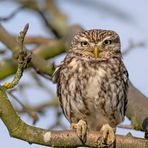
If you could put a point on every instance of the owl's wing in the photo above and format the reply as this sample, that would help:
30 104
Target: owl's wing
126 84
125 74
56 74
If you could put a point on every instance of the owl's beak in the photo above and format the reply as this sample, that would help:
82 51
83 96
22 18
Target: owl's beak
96 52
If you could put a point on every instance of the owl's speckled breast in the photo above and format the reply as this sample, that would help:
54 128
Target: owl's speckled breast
92 92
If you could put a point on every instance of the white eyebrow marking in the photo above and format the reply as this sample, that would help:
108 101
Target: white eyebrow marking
108 37
84 39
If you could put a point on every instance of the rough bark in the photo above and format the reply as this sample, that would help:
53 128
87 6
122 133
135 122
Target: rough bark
19 129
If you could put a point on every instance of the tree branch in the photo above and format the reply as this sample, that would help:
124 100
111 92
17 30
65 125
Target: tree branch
36 40
7 18
56 23
132 46
27 110
19 129
36 61
38 108
137 109
23 60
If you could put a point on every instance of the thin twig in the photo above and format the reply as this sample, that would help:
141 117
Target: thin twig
125 126
7 18
40 107
27 110
54 31
58 122
132 46
23 59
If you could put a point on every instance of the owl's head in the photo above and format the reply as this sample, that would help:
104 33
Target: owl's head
96 44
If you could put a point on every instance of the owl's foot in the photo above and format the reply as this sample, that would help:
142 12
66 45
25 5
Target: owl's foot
81 129
107 136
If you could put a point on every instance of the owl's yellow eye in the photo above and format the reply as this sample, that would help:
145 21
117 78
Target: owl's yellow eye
107 42
84 43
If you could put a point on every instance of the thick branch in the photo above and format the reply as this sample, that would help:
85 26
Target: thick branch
7 67
137 109
18 129
36 40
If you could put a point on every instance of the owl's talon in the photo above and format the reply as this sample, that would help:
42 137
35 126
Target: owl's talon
107 136
73 126
81 129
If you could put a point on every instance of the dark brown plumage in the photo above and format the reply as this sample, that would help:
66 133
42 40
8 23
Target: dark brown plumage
92 81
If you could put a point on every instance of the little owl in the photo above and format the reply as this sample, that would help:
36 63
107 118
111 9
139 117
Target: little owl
92 84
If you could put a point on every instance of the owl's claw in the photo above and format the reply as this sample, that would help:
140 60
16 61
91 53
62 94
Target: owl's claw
81 129
107 136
